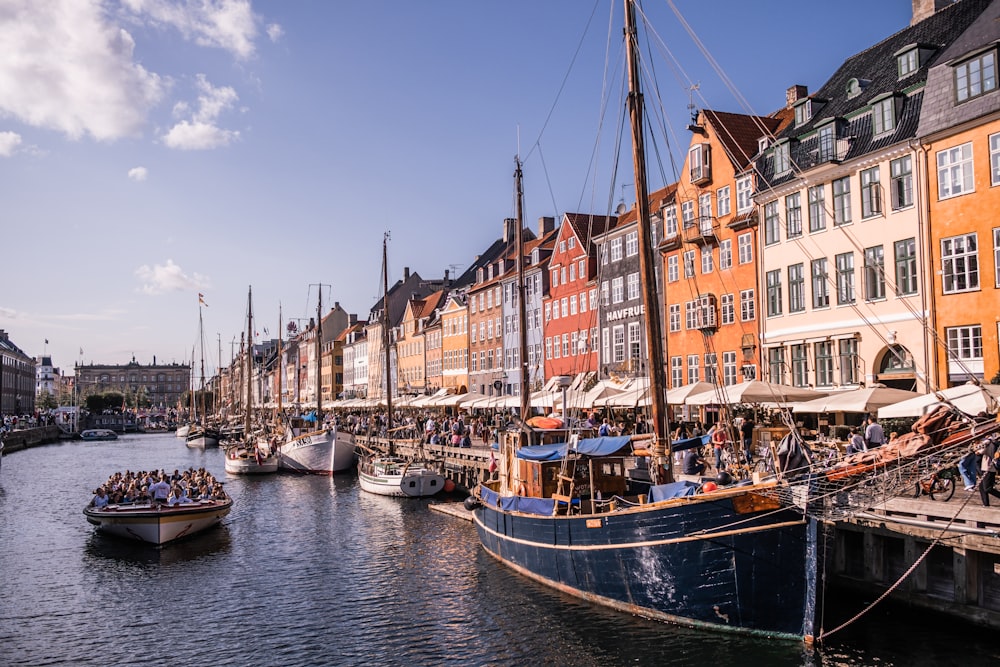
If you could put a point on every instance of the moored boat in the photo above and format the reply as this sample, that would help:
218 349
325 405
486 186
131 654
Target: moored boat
393 476
202 436
98 434
321 451
158 524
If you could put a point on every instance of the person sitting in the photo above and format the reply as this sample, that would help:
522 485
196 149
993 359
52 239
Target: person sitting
693 463
856 443
179 495
100 498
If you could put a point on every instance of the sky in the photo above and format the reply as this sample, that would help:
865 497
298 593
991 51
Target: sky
155 150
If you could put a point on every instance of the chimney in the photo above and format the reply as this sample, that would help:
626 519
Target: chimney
923 9
406 273
336 305
545 225
797 92
509 229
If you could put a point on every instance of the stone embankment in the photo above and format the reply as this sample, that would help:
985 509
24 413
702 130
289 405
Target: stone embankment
15 441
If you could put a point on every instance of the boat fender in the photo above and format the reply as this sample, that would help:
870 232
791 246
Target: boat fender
723 478
708 487
471 503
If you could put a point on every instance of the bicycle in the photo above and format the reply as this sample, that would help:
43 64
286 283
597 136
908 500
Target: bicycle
939 485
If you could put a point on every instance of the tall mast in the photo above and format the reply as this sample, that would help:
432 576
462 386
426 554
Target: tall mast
281 365
647 258
249 368
319 358
385 330
519 293
201 338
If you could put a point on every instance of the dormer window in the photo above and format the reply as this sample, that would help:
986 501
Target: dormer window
762 144
803 112
855 87
490 272
976 76
884 114
782 158
908 62
827 143
479 275
534 256
699 164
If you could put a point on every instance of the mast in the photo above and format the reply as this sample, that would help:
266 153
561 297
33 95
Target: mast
647 259
385 331
249 367
281 365
319 358
519 293
201 339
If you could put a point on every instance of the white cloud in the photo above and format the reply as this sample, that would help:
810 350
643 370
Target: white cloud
201 131
138 173
67 68
9 141
168 277
275 32
224 24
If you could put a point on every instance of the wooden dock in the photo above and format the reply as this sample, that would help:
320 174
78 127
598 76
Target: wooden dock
456 510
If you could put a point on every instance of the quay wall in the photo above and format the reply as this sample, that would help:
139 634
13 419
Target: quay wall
14 441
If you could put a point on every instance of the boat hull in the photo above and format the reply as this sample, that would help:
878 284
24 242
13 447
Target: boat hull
414 483
700 563
319 453
200 440
158 525
240 461
98 434
183 431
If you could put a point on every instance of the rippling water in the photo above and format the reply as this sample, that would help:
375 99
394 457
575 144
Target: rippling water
313 571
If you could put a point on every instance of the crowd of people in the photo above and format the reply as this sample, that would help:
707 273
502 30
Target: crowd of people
158 487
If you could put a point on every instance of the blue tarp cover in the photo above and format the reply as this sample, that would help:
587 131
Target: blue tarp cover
688 443
672 490
541 506
590 446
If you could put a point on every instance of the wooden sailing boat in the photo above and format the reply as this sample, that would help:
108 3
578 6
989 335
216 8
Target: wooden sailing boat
253 455
390 475
202 434
735 559
311 446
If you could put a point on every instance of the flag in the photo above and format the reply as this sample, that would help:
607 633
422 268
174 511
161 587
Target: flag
493 463
46 341
81 351
201 299
265 332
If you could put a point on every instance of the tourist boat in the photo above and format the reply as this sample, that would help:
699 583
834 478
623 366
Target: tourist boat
98 434
158 524
310 446
741 559
201 435
249 454
393 476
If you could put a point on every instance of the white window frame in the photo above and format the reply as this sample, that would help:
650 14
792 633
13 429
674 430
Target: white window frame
744 194
960 263
722 201
745 247
955 171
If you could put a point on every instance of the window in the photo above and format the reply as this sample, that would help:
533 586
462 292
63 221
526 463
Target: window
571 242
800 366
824 363
965 350
634 340
773 293
631 245
796 289
687 214
691 315
827 143
782 159
842 201
673 269
725 254
748 305
689 263
699 163
572 304
874 273
728 309
565 345
564 306
722 201
845 278
906 266
707 260
803 112
955 171
605 345
776 364
901 175
694 363
820 286
572 272
670 221
618 343
728 368
616 249
633 286
996 255
995 159
817 209
562 273
548 315
675 317
771 223
793 215
676 372
583 302
711 368
605 293
745 248
975 76
744 194
871 193
848 352
705 208
593 299
884 115
907 63
617 289
960 262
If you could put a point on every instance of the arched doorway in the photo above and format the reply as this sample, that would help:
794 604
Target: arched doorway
895 368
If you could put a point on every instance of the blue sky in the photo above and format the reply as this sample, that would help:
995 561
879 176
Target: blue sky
152 150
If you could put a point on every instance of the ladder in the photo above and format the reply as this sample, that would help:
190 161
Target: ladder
564 489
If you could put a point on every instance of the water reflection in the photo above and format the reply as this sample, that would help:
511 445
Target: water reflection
215 541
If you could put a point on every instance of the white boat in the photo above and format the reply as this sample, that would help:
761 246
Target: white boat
322 452
392 476
98 434
158 524
183 431
258 460
201 437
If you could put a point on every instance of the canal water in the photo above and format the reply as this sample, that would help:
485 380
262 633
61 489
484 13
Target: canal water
313 571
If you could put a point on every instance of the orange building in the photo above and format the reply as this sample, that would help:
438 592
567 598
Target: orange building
455 344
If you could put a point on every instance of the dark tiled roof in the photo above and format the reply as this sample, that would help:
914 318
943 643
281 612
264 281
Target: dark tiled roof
587 225
657 200
877 66
738 134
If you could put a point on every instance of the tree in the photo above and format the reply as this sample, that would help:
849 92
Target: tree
45 401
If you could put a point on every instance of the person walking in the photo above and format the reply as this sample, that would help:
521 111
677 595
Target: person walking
989 467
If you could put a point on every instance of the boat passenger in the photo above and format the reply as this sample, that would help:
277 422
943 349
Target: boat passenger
179 495
160 490
100 498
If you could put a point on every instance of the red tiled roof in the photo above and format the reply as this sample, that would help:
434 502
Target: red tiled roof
739 133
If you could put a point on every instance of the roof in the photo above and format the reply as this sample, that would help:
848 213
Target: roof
587 225
739 133
657 200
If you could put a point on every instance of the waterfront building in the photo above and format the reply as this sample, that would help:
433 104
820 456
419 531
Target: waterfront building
412 343
157 385
486 329
355 361
46 376
959 134
570 307
843 300
454 316
17 378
